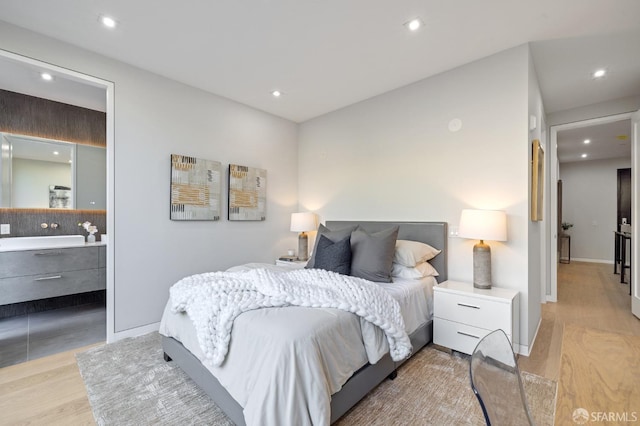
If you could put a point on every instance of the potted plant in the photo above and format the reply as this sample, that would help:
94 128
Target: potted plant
566 226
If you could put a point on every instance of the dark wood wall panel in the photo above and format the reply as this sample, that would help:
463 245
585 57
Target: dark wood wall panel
28 115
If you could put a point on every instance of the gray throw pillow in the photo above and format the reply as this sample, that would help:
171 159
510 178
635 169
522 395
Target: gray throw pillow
372 254
334 236
335 257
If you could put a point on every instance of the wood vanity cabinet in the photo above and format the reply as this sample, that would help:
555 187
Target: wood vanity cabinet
39 274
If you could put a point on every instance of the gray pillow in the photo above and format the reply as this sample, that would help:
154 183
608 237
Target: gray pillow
372 254
335 257
334 236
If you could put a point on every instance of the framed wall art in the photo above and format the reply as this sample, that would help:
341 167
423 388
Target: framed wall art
537 180
247 193
59 197
195 188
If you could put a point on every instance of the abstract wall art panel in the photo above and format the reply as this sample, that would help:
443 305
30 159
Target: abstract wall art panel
59 197
247 193
195 188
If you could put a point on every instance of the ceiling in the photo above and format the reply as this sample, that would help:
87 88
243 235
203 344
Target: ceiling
325 55
611 140
21 77
32 148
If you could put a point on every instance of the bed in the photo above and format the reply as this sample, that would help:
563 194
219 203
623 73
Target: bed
353 373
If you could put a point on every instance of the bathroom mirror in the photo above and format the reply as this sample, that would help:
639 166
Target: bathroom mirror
44 173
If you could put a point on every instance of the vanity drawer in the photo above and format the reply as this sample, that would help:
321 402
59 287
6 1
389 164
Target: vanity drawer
42 286
36 262
102 256
488 314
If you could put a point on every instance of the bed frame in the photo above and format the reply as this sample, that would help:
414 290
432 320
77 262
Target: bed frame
365 379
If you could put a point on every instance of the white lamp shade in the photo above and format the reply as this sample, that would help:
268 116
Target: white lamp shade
488 225
301 222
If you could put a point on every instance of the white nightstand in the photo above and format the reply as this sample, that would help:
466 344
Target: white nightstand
462 315
293 264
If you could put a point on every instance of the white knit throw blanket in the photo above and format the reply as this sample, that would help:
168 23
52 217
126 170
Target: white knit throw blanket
213 300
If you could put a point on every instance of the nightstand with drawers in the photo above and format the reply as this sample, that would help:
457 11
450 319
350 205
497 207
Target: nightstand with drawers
462 315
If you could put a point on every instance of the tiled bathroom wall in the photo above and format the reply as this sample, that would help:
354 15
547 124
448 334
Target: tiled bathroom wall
28 222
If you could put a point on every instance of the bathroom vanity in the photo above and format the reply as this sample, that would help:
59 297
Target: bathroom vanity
41 270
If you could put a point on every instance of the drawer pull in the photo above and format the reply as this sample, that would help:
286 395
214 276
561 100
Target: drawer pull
48 253
468 335
54 277
468 306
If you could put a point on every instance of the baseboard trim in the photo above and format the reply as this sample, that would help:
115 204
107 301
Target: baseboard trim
133 332
582 259
525 350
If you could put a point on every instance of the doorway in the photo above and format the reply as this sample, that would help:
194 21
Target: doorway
28 71
594 218
624 197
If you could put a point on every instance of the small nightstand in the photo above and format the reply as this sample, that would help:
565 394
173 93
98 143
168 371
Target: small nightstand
462 315
293 264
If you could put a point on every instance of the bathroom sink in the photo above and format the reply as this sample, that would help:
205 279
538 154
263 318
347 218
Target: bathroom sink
35 243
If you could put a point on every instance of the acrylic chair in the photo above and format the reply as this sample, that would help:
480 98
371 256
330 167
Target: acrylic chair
495 379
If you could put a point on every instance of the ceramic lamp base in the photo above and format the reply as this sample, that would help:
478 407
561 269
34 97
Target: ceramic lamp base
482 265
303 246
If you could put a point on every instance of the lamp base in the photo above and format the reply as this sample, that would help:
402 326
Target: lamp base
482 266
303 246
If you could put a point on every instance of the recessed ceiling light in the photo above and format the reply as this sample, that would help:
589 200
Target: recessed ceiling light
414 24
587 141
584 156
56 153
46 76
276 93
108 21
599 73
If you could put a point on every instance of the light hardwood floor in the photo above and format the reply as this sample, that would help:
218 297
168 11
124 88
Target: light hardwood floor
50 391
45 391
599 374
589 295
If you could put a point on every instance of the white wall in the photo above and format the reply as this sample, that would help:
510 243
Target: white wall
392 157
31 180
537 235
155 117
589 201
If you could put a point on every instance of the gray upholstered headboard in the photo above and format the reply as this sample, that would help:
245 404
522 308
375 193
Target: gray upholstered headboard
432 233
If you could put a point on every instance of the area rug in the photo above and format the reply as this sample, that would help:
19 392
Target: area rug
129 383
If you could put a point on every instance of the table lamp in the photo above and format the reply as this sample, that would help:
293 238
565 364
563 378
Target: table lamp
302 222
482 225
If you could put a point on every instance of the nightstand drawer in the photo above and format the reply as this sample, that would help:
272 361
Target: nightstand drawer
456 336
487 314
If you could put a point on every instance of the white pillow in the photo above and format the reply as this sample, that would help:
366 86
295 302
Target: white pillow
422 270
410 253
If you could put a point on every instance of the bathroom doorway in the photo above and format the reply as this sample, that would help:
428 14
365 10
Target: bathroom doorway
31 329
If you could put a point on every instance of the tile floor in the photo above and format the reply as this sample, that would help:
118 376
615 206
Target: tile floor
36 335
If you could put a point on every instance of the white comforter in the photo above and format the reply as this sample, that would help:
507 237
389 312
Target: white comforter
213 300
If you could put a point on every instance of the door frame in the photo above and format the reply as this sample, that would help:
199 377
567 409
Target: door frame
109 88
554 169
635 213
